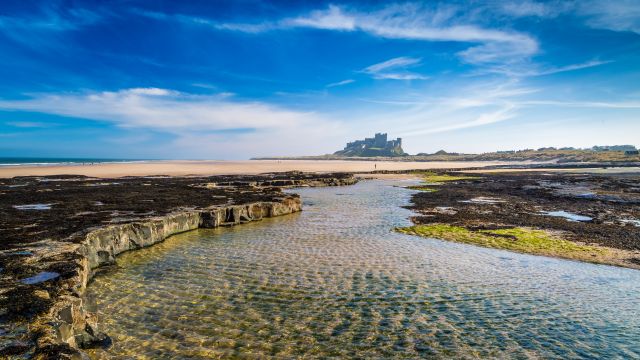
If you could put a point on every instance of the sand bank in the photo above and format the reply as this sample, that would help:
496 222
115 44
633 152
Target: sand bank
215 167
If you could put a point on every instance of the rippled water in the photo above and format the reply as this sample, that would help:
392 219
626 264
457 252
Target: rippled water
335 281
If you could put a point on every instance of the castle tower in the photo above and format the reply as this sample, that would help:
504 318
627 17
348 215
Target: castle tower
380 140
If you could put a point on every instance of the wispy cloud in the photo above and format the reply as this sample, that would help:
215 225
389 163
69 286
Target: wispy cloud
584 104
392 64
163 109
533 70
51 20
458 108
213 24
332 18
404 22
197 125
503 113
527 8
619 15
572 67
395 69
416 22
30 124
340 83
476 106
43 30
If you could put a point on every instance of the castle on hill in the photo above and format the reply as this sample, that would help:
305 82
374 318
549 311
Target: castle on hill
375 146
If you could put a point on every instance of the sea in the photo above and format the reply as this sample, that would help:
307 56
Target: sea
42 161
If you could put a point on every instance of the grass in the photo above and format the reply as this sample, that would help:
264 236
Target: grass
434 178
524 240
422 188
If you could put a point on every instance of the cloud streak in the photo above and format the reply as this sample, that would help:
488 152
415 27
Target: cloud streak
413 22
163 109
340 83
532 71
403 22
394 69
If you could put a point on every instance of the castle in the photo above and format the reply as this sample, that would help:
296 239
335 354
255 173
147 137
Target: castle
376 146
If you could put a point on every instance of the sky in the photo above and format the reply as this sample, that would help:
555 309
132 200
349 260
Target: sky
238 79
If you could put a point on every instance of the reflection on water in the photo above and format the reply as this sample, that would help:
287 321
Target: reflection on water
334 281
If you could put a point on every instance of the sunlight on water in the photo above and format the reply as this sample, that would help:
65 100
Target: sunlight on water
335 281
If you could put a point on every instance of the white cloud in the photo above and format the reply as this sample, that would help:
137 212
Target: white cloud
162 109
389 69
572 67
151 91
529 70
242 27
503 113
331 19
525 8
392 63
584 104
199 126
412 22
400 76
340 83
404 21
458 108
618 15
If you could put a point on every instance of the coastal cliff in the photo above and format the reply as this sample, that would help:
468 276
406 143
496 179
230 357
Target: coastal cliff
43 282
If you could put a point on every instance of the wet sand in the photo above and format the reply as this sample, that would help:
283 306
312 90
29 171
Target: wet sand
216 167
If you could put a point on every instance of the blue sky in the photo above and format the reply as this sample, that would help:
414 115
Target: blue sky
215 80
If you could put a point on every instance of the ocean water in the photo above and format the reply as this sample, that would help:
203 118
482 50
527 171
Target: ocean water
336 282
37 161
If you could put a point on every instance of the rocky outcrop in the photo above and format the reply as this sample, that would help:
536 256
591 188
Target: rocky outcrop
67 326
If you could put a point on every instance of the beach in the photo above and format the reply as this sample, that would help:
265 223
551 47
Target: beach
218 167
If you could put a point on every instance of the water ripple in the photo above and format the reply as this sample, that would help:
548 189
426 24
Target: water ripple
334 281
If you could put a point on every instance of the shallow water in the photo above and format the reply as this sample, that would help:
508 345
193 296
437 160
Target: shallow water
335 281
568 215
33 207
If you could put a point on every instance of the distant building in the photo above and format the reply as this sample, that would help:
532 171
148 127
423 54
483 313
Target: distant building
375 146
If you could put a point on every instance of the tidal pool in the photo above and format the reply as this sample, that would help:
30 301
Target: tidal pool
336 281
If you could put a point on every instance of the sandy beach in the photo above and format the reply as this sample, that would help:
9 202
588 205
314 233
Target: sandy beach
217 167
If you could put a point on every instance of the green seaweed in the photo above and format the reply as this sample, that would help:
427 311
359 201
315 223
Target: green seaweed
434 178
525 240
422 188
